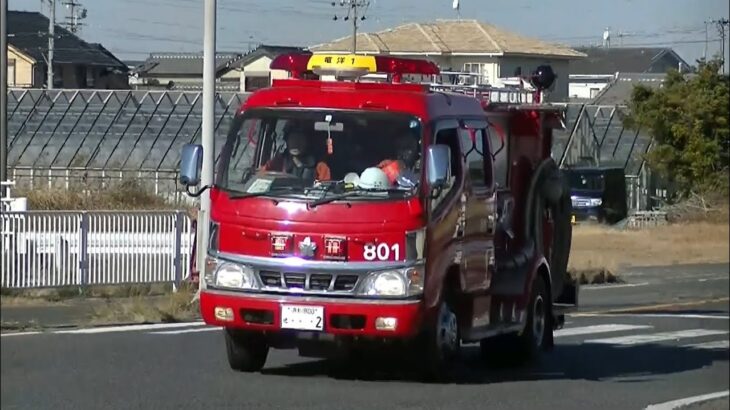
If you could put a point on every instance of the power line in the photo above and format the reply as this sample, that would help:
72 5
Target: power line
670 43
73 20
353 7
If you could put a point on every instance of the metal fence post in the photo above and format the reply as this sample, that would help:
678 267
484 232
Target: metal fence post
178 249
84 250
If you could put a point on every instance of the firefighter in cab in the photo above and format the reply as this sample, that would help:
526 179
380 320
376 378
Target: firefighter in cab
297 160
402 169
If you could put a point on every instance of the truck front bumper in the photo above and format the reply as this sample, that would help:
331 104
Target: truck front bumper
345 317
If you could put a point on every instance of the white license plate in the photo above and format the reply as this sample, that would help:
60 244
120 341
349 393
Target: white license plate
302 317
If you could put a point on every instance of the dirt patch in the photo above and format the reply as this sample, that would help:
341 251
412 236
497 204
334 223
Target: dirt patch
597 248
63 296
174 307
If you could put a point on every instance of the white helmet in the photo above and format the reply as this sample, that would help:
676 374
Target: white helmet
352 178
374 178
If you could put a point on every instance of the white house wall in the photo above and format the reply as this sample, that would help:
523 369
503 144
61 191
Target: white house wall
586 89
456 63
260 67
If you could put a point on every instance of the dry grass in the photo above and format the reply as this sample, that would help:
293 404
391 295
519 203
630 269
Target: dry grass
56 296
129 194
595 247
175 307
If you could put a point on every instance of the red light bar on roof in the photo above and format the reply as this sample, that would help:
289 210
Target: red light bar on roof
352 64
294 63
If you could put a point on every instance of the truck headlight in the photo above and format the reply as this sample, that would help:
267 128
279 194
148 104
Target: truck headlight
398 282
235 276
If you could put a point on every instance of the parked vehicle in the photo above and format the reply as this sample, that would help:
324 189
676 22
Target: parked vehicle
598 194
348 213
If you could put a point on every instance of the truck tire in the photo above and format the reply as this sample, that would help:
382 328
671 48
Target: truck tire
441 345
514 349
247 352
538 327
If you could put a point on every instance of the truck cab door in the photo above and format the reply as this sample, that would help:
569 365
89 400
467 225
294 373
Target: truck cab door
479 198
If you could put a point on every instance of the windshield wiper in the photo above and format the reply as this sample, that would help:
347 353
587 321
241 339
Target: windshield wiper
322 201
280 190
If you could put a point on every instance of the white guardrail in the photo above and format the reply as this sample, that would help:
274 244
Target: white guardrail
65 248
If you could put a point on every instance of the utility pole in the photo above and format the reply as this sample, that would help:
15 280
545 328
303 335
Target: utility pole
3 94
706 41
353 8
51 37
73 19
208 131
721 25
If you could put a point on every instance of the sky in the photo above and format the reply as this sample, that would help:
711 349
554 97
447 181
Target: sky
132 29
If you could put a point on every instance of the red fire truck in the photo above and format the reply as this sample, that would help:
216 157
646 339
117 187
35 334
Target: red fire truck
375 201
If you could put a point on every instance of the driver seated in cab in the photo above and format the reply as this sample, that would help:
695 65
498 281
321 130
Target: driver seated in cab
406 160
297 160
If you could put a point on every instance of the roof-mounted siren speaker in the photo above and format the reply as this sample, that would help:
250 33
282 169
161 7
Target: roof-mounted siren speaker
543 78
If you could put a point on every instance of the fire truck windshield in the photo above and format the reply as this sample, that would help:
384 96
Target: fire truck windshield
303 153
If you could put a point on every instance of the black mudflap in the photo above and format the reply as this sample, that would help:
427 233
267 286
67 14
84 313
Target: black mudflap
568 299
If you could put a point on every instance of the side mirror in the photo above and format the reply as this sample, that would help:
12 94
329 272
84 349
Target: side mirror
438 165
191 163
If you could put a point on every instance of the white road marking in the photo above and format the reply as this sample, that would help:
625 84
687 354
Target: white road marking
719 344
623 285
675 404
587 330
19 334
658 315
713 279
129 328
657 337
177 332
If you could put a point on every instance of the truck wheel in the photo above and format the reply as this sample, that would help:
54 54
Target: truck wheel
443 345
538 328
246 351
515 349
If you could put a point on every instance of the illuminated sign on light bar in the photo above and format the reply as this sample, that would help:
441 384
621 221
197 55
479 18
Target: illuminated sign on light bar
352 64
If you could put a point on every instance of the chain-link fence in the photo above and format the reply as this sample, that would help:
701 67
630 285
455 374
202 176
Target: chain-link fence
63 137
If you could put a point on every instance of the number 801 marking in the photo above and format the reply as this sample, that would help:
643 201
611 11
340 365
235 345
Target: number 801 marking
381 252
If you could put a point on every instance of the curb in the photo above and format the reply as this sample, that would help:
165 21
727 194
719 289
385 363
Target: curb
50 328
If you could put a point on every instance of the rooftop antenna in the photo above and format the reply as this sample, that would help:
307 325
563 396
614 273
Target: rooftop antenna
455 6
356 10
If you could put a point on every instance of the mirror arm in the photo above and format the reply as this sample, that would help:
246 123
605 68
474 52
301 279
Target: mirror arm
199 192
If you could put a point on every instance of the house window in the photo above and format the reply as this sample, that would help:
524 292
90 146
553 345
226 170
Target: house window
90 74
80 76
11 72
254 83
477 68
594 92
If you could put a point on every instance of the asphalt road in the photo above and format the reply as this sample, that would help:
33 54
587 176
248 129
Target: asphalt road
625 360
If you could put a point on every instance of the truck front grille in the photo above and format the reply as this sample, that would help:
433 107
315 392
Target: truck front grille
314 282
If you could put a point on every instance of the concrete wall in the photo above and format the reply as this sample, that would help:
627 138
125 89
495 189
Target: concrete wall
21 75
